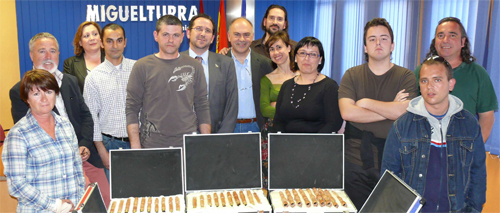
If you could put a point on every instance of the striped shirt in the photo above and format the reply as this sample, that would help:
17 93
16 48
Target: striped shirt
105 93
40 169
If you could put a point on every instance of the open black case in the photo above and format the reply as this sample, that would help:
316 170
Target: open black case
391 194
152 176
307 162
224 165
91 201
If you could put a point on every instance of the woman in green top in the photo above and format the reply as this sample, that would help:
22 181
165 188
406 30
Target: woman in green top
280 50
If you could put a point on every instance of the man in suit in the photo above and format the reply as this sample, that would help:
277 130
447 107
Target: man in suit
219 72
250 68
44 52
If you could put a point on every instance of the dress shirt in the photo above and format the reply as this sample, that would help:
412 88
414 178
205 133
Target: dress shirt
105 94
246 105
39 169
59 100
204 63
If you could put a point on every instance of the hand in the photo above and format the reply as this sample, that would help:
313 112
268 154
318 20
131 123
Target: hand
64 206
224 51
105 158
401 96
85 153
273 104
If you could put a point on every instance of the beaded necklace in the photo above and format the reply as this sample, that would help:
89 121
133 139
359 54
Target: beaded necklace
305 93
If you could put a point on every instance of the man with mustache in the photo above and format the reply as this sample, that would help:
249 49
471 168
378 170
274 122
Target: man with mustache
44 52
219 71
473 85
105 92
371 97
275 19
250 68
167 91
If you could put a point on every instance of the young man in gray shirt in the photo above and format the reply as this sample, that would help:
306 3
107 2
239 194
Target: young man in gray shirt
163 90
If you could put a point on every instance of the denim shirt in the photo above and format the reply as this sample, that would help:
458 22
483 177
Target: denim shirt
407 150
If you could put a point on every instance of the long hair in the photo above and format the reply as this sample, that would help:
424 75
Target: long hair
78 36
464 53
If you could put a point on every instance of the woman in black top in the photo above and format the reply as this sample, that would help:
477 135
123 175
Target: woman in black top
308 103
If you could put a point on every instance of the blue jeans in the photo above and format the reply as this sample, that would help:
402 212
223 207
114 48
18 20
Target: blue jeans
111 143
245 128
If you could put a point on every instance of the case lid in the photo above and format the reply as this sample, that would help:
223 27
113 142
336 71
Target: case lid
392 194
222 161
91 201
146 172
306 161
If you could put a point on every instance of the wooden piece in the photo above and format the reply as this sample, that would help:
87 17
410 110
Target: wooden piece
230 199
304 197
236 198
202 201
170 204
127 205
177 204
296 197
216 200
150 202
342 202
256 198
334 202
284 201
242 197
120 207
325 197
194 202
163 205
157 205
290 198
143 203
113 205
222 199
250 197
209 200
313 198
136 203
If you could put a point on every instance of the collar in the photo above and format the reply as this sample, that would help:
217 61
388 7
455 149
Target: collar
112 66
247 59
204 56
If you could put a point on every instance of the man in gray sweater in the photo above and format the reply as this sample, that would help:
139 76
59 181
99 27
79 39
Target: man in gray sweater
163 90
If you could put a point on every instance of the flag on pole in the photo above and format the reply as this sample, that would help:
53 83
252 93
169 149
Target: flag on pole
201 7
243 8
221 28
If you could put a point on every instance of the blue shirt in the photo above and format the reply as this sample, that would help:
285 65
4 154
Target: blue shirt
40 169
246 107
204 63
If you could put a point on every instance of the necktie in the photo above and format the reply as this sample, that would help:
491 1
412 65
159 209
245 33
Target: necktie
199 58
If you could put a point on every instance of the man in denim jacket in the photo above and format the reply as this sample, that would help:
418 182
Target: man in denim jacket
437 146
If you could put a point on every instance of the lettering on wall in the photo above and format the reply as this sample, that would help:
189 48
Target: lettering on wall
141 13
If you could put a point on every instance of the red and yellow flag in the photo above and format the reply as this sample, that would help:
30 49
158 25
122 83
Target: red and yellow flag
221 28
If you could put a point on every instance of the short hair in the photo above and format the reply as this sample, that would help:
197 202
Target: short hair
310 41
465 53
373 23
283 36
202 15
273 6
240 18
78 36
39 79
439 60
167 20
112 26
39 36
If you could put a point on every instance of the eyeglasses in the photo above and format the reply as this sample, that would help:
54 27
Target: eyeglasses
438 59
312 55
201 29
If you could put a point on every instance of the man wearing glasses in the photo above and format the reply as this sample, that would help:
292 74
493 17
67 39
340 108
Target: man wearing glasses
220 74
250 68
371 97
437 147
163 90
474 85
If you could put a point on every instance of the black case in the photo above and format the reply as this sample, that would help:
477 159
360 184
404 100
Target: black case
146 172
391 194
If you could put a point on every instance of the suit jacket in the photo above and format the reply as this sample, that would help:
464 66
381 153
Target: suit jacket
78 113
261 66
223 92
75 66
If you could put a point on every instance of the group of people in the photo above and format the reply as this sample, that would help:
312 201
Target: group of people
66 122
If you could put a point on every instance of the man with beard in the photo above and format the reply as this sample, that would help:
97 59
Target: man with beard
44 52
166 92
219 72
250 68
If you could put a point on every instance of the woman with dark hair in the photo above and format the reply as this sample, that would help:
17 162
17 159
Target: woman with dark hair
308 103
280 50
43 163
88 53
